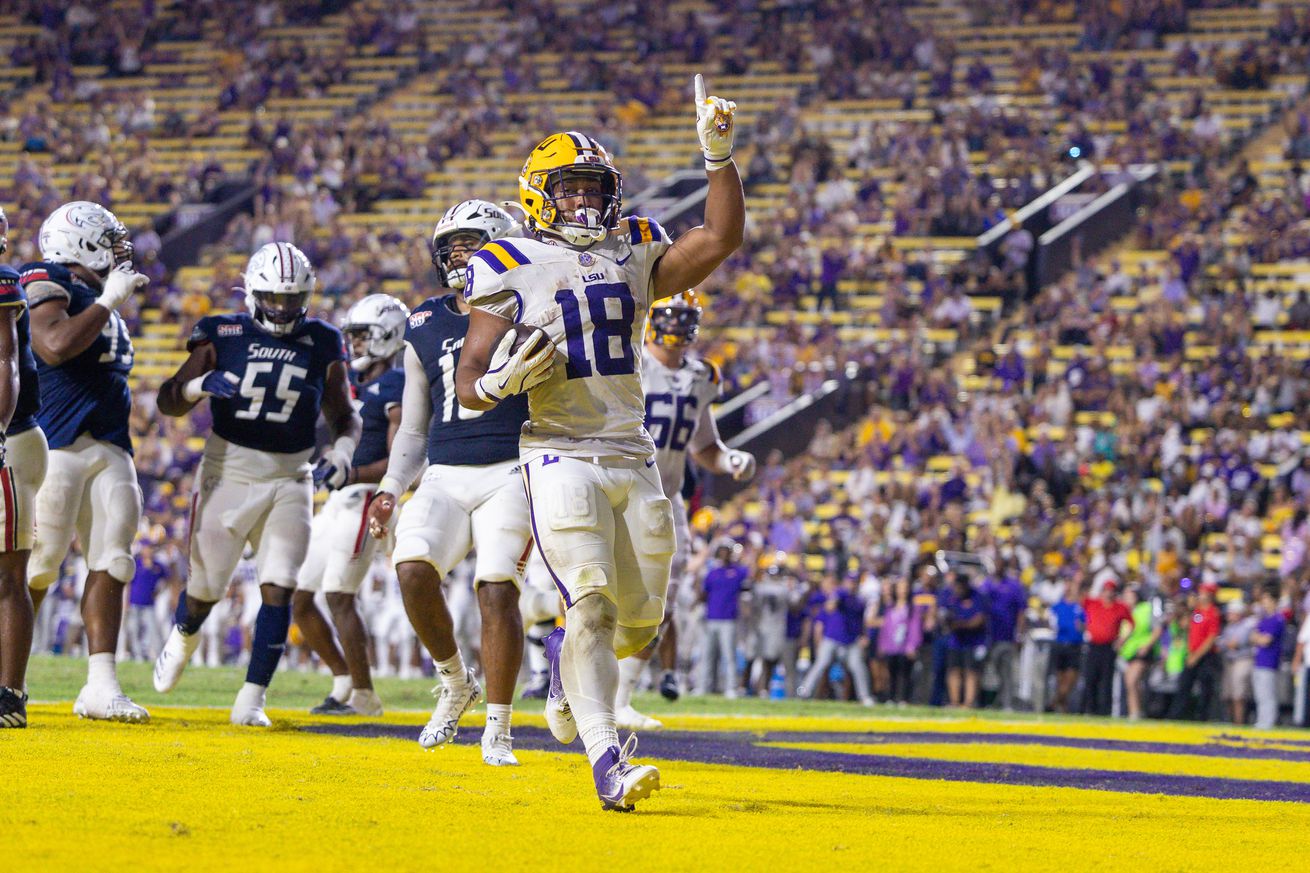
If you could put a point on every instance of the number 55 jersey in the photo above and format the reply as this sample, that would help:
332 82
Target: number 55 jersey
593 304
276 407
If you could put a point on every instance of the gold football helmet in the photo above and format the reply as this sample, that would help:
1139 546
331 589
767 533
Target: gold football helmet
567 165
674 321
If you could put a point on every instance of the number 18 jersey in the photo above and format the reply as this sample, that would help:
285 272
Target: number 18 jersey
593 304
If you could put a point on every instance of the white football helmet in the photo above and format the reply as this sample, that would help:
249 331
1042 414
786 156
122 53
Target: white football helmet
485 220
381 319
84 233
279 281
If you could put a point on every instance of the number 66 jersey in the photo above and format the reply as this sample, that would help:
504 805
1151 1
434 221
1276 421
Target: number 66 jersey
593 304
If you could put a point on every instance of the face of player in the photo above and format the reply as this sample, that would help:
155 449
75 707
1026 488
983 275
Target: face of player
358 339
462 247
575 193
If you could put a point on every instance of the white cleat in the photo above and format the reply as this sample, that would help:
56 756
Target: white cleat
248 710
452 703
365 702
108 704
173 658
498 750
628 719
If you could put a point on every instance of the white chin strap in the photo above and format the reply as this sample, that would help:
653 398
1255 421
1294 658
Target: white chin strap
361 364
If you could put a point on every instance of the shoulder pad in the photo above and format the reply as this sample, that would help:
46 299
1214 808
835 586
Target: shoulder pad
642 231
716 375
40 271
501 255
423 313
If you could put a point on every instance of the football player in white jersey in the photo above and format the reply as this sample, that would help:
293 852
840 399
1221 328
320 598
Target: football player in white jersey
340 549
586 279
470 495
679 392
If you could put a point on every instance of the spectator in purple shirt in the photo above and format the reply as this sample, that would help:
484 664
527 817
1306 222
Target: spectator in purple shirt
839 637
721 590
964 617
142 629
1268 640
1006 600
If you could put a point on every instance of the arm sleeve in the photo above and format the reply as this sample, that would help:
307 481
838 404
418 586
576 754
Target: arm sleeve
409 448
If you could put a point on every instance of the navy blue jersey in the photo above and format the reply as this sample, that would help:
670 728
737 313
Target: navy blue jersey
89 393
29 390
277 404
457 435
375 398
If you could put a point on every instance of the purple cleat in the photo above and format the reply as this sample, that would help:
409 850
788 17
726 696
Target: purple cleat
559 717
620 783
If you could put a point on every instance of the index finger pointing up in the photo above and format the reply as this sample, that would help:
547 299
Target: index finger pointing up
700 89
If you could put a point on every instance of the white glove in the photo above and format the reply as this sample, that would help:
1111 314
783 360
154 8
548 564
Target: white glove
737 464
119 285
714 125
510 374
215 383
332 470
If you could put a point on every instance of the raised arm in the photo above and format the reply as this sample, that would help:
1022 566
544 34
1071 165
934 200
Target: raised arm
695 254
58 337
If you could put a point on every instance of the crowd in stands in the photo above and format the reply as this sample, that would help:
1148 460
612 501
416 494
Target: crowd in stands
1106 493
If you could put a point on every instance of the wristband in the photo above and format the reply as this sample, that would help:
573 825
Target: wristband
712 164
192 392
391 486
346 445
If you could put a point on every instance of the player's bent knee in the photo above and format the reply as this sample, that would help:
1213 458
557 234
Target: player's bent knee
121 567
628 641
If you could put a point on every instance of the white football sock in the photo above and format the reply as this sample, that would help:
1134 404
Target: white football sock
341 688
452 670
590 673
630 670
101 670
498 718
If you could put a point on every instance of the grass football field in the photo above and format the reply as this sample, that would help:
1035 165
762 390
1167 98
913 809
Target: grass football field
747 785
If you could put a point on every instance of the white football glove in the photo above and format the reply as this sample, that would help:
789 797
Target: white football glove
119 285
714 125
737 464
332 470
510 374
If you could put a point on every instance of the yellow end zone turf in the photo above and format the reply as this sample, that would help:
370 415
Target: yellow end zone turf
190 792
